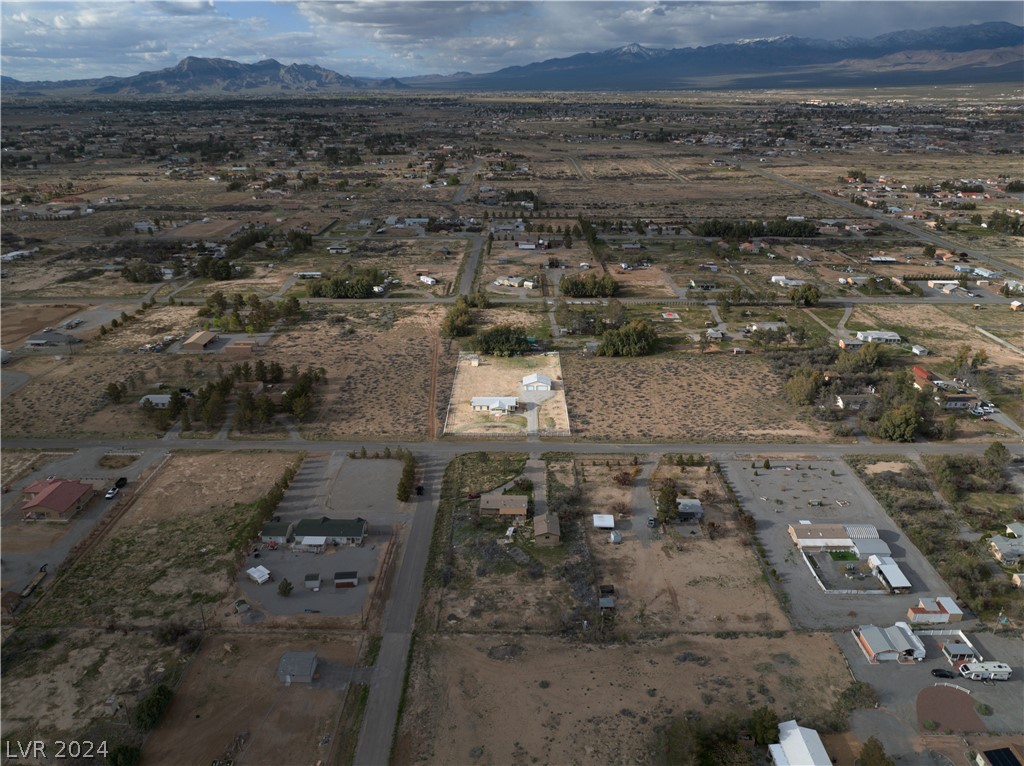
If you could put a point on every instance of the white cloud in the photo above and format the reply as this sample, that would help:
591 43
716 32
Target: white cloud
383 37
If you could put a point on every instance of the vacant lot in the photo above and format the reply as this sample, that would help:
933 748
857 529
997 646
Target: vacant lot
690 397
517 699
172 551
62 679
497 376
378 362
231 695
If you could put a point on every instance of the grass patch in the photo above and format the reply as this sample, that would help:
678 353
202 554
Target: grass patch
843 555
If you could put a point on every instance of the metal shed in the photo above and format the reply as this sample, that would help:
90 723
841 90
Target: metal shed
297 667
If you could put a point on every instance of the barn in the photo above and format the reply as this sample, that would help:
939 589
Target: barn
199 341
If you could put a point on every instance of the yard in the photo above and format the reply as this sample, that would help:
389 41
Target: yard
498 376
232 705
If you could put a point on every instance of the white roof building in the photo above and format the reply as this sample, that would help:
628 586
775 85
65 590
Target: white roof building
878 336
798 746
888 571
604 521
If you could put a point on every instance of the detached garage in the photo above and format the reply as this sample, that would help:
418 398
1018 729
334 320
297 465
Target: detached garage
346 579
199 341
297 667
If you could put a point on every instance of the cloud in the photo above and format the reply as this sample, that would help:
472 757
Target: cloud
183 7
58 40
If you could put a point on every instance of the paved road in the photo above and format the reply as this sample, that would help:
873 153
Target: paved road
375 737
469 270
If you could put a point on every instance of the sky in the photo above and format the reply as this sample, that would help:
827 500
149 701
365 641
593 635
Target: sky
43 40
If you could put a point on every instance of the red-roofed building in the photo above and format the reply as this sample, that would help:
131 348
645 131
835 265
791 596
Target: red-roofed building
57 498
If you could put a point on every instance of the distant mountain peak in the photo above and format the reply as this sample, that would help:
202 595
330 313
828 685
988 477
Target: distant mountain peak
634 52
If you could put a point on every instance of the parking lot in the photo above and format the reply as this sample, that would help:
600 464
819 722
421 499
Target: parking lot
337 487
825 491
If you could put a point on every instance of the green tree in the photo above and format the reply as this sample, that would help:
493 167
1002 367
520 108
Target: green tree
285 588
899 424
115 392
805 295
408 478
997 455
151 709
873 754
764 725
667 496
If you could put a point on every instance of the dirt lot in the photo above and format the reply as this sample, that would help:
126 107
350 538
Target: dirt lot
231 688
652 282
493 699
171 551
378 363
214 229
680 397
20 321
495 376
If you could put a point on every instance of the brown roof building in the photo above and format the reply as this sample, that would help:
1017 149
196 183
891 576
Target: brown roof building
497 504
57 498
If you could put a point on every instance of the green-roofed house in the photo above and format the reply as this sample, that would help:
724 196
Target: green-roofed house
316 533
276 532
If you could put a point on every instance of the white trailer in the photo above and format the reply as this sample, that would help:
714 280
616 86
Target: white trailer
984 671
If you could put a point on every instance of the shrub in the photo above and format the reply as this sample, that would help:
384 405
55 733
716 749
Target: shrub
151 709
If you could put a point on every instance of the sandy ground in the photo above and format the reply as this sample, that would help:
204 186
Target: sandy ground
62 689
496 376
553 701
669 579
378 377
231 689
32 279
642 283
689 397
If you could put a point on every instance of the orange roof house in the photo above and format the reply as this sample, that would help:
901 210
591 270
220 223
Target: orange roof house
57 498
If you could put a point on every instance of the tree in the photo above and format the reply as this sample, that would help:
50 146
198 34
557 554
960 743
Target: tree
115 392
767 464
997 455
805 295
873 754
764 725
667 496
900 424
405 483
152 707
567 240
285 588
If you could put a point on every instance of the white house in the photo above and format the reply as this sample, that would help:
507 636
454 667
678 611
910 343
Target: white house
878 336
160 401
427 280
495 403
798 746
536 381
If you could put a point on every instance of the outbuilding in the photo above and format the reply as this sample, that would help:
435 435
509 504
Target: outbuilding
689 509
798 746
604 521
346 579
259 574
935 610
498 504
199 341
887 644
536 381
312 581
157 401
546 530
297 668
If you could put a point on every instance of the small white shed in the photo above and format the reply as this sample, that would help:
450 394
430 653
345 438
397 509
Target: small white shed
259 575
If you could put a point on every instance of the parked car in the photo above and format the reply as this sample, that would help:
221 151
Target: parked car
112 493
650 521
121 482
943 673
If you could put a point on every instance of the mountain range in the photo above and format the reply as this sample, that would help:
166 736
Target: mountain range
990 52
